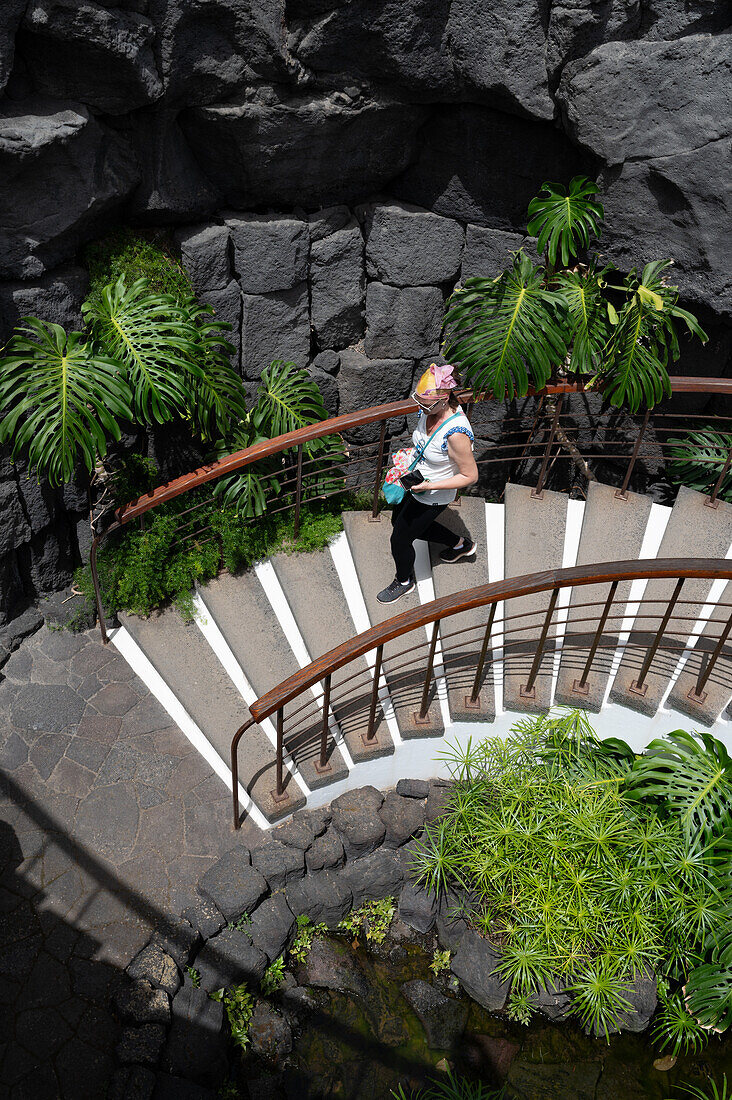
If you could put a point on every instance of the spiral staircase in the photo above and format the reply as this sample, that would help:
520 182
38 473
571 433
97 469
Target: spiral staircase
253 631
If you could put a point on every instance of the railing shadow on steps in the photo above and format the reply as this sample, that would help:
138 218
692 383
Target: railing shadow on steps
523 639
370 433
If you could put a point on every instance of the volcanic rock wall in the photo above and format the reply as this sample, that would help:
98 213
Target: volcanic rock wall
331 169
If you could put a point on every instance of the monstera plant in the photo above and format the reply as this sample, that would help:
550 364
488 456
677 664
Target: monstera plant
146 357
537 320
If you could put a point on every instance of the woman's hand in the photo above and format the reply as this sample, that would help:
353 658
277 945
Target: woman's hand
423 486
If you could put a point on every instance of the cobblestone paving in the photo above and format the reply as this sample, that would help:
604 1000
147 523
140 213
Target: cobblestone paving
108 818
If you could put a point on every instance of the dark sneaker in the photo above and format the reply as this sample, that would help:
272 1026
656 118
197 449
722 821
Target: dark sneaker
395 591
466 551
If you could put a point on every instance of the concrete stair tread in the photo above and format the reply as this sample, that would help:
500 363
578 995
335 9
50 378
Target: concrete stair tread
693 531
534 541
316 598
460 654
243 614
369 544
717 691
186 662
612 530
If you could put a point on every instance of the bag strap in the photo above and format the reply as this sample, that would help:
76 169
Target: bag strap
418 457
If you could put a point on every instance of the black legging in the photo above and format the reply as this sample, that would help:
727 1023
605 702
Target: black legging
411 519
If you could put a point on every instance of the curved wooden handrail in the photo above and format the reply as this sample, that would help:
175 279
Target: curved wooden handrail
348 421
497 591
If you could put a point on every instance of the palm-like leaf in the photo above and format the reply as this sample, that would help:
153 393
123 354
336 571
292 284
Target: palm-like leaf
287 399
506 333
587 311
697 460
708 991
693 773
246 490
218 399
59 397
564 220
152 336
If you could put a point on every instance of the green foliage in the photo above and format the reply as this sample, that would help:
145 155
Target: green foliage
239 1007
520 1008
451 1088
692 772
564 219
134 476
675 1029
194 975
440 961
303 941
372 920
708 990
574 879
496 328
698 458
274 976
59 398
142 569
126 253
241 923
534 322
710 1092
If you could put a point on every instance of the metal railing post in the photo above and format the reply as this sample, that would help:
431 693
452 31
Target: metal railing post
698 694
97 590
324 765
420 716
379 470
280 794
622 492
471 700
538 492
712 502
298 493
579 687
235 769
369 738
527 691
639 686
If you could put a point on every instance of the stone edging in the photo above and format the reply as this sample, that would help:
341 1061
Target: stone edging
321 864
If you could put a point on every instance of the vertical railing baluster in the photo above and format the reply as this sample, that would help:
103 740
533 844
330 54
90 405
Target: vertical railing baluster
471 701
697 694
639 686
712 502
280 794
420 716
579 687
97 589
538 492
527 691
324 764
379 470
369 737
622 492
298 493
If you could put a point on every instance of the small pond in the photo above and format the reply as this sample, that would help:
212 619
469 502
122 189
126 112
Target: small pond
355 1036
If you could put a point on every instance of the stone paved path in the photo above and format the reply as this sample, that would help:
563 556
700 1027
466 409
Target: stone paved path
108 818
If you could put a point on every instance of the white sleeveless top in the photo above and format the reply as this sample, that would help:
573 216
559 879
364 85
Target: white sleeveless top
436 464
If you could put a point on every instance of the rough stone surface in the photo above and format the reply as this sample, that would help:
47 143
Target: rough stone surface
417 907
141 1003
233 885
279 863
302 828
272 926
402 321
643 998
403 818
141 1045
442 1018
337 287
155 966
178 939
196 1047
205 254
374 876
56 297
230 958
364 382
324 897
204 917
406 246
270 253
326 852
132 1083
474 965
356 818
488 251
413 788
274 326
551 1001
332 965
437 799
270 1034
451 924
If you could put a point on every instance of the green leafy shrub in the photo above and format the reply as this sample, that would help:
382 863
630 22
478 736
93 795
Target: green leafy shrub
372 920
303 941
274 976
710 1092
572 877
440 961
451 1088
239 1006
675 1029
128 254
697 460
